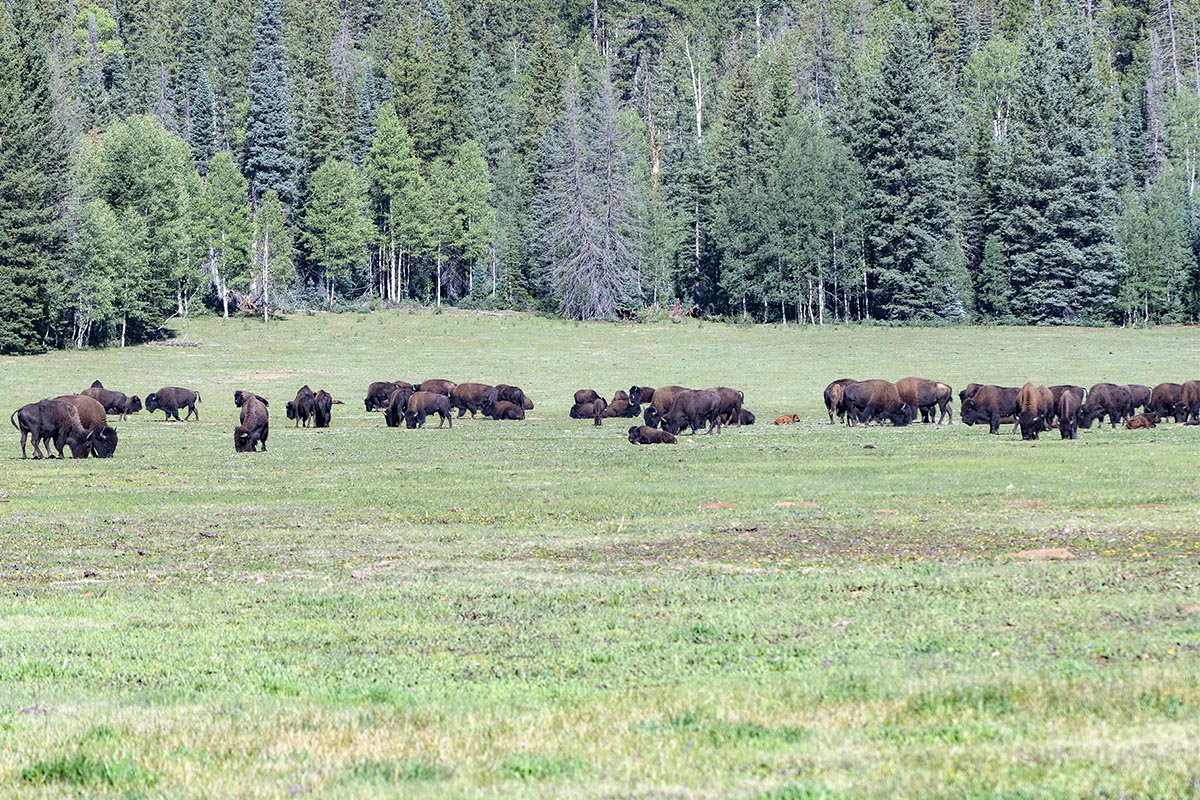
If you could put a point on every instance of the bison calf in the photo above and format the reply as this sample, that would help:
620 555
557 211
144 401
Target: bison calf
169 399
422 404
644 434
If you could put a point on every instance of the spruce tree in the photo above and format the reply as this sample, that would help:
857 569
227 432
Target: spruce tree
269 161
203 131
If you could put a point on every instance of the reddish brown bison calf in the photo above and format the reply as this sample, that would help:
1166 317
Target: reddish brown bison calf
644 434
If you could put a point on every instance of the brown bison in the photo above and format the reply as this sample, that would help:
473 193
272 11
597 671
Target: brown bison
787 419
379 392
422 404
1189 402
169 399
875 400
1139 396
644 434
1164 400
585 396
1066 409
622 406
1058 391
968 392
1034 405
304 407
255 422
746 417
514 395
693 408
641 395
592 409
731 404
324 409
1105 399
114 402
991 404
503 409
659 403
397 403
924 395
101 437
437 386
50 421
1141 422
473 397
833 398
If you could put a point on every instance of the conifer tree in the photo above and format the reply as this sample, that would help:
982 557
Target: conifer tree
335 231
269 162
203 130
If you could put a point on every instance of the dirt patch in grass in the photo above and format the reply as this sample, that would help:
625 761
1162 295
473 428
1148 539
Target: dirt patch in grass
1046 554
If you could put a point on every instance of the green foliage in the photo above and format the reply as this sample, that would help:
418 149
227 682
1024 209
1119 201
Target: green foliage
335 230
269 161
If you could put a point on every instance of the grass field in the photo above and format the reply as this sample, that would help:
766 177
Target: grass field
539 609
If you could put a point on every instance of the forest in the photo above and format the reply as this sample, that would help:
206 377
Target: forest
765 161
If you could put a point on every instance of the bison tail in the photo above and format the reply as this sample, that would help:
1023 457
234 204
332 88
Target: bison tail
197 397
13 419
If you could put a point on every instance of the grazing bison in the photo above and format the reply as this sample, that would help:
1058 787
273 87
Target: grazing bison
644 434
1066 409
397 404
731 404
114 402
379 392
1105 399
1139 396
324 410
867 401
1034 405
833 398
255 422
169 399
622 406
991 404
437 386
50 421
1058 391
422 404
693 408
787 419
924 395
968 392
503 409
659 403
304 407
1141 422
101 437
1189 402
1164 399
514 395
473 397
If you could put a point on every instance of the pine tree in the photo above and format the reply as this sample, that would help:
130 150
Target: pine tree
203 131
449 106
92 94
474 218
335 231
33 159
269 163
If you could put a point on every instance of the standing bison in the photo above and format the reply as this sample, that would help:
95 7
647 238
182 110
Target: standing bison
473 397
1189 402
1034 405
113 402
1066 409
875 400
397 403
422 404
924 395
834 398
169 399
693 408
991 404
255 423
1105 399
658 403
437 386
50 421
101 437
1139 397
1164 399
731 404
304 407
514 395
379 392
323 415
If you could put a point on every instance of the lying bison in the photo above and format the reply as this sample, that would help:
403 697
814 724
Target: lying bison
693 408
1105 399
503 409
1142 421
304 407
1035 404
255 422
644 434
101 437
924 395
50 421
592 409
875 400
473 397
422 404
622 406
746 417
834 402
991 404
114 402
1066 409
585 396
169 399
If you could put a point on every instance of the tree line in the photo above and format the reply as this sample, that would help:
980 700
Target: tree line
762 160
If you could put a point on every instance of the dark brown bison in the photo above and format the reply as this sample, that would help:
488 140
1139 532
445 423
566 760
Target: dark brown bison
1066 409
1139 396
746 417
731 404
1141 422
50 421
1034 405
1189 402
304 407
514 395
379 392
1058 391
659 402
834 403
644 434
503 409
255 423
397 404
967 393
924 395
875 400
169 399
1105 399
473 397
1164 399
422 404
622 406
693 408
585 396
592 409
324 409
991 404
101 437
641 395
114 402
437 386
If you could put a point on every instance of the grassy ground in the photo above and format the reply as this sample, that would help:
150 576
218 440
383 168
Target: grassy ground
540 609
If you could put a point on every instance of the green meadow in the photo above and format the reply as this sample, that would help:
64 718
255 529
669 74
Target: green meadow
540 609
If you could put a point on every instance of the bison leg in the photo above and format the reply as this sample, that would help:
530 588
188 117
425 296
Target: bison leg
994 424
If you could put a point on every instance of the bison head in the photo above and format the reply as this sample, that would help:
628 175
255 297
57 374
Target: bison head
291 409
133 405
152 402
651 416
633 433
239 397
242 442
410 420
104 442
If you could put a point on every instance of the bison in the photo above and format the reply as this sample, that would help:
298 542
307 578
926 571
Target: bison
503 409
1189 402
1105 399
991 404
867 401
1058 391
379 392
397 403
622 406
169 399
746 417
659 402
101 437
514 395
50 420
585 396
967 393
424 403
255 422
787 419
922 394
1066 409
1141 422
437 386
114 402
324 409
1164 399
731 404
304 407
592 409
833 398
1139 396
473 397
1034 405
693 408
644 434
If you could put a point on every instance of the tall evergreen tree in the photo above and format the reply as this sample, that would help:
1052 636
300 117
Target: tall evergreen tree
202 134
270 162
335 233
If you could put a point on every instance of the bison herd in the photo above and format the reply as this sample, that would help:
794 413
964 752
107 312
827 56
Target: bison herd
1032 409
79 422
